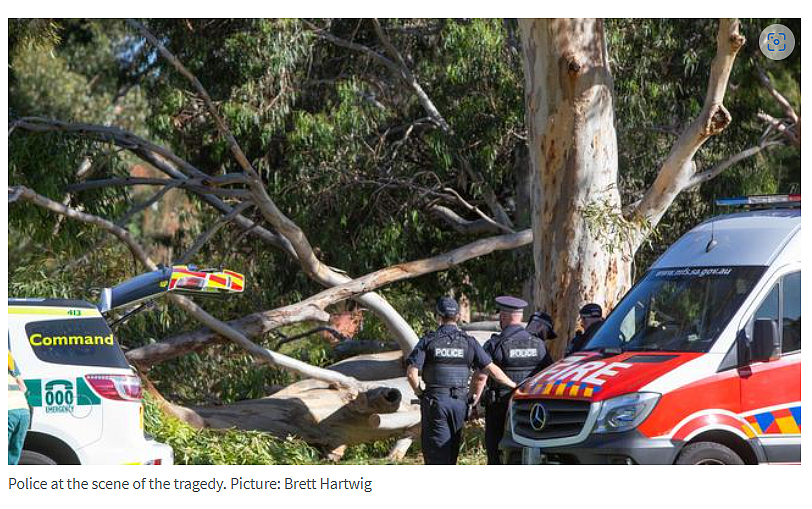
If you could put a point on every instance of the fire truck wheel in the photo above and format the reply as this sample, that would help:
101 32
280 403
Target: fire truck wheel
35 458
708 453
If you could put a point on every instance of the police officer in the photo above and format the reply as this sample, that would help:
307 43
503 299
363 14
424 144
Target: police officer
520 354
446 357
591 318
541 326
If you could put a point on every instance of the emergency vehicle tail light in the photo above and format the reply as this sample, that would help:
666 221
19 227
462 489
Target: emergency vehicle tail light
117 387
761 200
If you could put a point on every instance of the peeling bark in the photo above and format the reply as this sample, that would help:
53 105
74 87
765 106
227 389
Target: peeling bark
573 153
584 240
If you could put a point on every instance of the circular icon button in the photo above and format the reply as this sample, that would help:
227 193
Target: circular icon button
776 42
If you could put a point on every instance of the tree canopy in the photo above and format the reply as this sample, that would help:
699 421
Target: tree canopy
345 146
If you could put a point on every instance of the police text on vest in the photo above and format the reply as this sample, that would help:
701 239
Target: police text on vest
522 353
449 353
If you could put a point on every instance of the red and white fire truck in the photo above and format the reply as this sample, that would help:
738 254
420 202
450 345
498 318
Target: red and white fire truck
700 363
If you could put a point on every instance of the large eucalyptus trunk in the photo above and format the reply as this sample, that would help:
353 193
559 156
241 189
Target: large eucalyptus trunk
325 415
578 250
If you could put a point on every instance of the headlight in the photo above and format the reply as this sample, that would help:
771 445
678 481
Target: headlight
625 412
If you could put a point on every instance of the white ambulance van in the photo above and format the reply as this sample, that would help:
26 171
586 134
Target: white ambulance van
85 399
84 396
700 363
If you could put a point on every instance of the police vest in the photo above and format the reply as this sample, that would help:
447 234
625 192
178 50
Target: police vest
521 353
448 360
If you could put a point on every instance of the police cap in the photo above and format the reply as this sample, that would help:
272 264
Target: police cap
447 307
591 310
547 320
510 304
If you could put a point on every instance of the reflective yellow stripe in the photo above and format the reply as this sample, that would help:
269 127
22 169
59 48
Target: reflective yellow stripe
52 311
787 425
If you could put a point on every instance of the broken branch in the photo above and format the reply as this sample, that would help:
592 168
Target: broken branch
676 172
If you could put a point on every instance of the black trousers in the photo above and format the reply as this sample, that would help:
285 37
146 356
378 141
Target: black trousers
442 419
495 417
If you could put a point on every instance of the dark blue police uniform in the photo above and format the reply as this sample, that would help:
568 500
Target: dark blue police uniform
446 357
580 340
520 355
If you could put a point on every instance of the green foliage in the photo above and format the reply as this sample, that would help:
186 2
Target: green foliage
660 70
346 151
612 229
223 447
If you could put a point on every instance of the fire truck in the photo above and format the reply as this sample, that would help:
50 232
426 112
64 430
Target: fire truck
700 363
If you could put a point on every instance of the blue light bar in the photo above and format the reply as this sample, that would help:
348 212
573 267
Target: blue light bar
732 202
764 199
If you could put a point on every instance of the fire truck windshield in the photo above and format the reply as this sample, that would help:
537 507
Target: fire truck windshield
676 309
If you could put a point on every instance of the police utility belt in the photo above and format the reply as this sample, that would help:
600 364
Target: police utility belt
454 392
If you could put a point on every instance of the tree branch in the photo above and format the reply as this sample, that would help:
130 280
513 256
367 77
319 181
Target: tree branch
434 114
207 181
462 225
208 234
676 172
288 229
174 166
717 169
120 233
222 328
201 185
159 157
256 324
496 224
327 36
235 148
782 127
401 69
789 111
122 221
408 78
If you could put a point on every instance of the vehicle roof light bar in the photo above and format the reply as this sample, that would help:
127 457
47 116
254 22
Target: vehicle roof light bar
183 279
792 200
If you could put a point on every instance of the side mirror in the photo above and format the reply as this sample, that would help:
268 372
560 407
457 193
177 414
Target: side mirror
743 350
766 342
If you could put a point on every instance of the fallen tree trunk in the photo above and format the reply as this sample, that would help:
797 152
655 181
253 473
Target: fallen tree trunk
326 416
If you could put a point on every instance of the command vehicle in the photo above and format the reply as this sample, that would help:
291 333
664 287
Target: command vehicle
84 396
700 363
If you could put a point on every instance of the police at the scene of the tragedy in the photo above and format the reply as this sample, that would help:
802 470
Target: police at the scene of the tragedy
446 357
591 318
520 354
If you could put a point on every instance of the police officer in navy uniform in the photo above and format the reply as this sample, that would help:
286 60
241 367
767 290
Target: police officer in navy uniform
520 354
591 318
446 357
